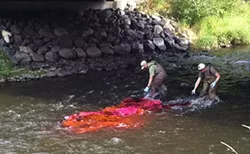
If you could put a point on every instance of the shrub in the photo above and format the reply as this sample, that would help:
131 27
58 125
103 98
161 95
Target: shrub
161 7
192 11
226 29
216 22
5 64
7 69
205 42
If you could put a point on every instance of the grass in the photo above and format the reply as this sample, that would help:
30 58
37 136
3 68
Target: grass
152 7
7 69
233 28
215 23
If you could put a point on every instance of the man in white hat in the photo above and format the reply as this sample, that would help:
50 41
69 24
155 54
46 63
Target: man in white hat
210 79
157 75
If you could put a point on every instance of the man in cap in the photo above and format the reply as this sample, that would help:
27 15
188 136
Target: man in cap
210 79
157 75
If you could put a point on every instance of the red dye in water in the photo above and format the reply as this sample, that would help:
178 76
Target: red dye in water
125 115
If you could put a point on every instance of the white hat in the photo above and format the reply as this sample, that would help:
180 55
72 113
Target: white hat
201 66
6 36
143 63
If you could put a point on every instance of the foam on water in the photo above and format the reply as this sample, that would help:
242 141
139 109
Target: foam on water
195 104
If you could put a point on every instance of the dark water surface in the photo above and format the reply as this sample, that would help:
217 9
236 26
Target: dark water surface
31 112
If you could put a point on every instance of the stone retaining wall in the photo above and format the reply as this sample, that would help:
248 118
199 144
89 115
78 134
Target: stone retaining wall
66 42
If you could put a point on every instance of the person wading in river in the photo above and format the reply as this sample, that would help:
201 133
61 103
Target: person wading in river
157 75
210 79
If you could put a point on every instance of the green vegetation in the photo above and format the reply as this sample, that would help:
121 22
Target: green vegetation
232 28
193 11
155 6
215 22
7 69
5 65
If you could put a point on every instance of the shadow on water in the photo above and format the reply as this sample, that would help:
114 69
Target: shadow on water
31 112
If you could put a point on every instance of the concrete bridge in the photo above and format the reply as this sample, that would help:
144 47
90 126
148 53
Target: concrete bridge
59 4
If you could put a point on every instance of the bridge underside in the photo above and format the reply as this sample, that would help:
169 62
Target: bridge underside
59 4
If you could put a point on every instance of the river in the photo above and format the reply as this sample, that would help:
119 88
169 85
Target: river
31 112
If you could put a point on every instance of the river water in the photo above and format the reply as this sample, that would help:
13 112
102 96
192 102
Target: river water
31 112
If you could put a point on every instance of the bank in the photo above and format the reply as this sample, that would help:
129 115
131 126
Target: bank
59 43
209 24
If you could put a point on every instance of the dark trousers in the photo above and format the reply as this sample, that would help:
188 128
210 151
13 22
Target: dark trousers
156 85
208 89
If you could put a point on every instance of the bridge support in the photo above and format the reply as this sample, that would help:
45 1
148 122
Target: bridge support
59 4
121 4
69 5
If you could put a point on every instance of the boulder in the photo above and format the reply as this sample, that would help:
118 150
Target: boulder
38 43
15 29
37 57
25 49
45 32
127 21
137 47
123 48
106 48
42 50
25 42
60 31
130 34
51 56
88 32
149 46
55 49
159 42
79 42
66 41
17 39
182 42
67 53
81 53
30 31
93 52
158 29
103 34
21 58
169 41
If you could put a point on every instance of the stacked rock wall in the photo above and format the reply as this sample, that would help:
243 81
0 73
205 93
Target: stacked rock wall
66 42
